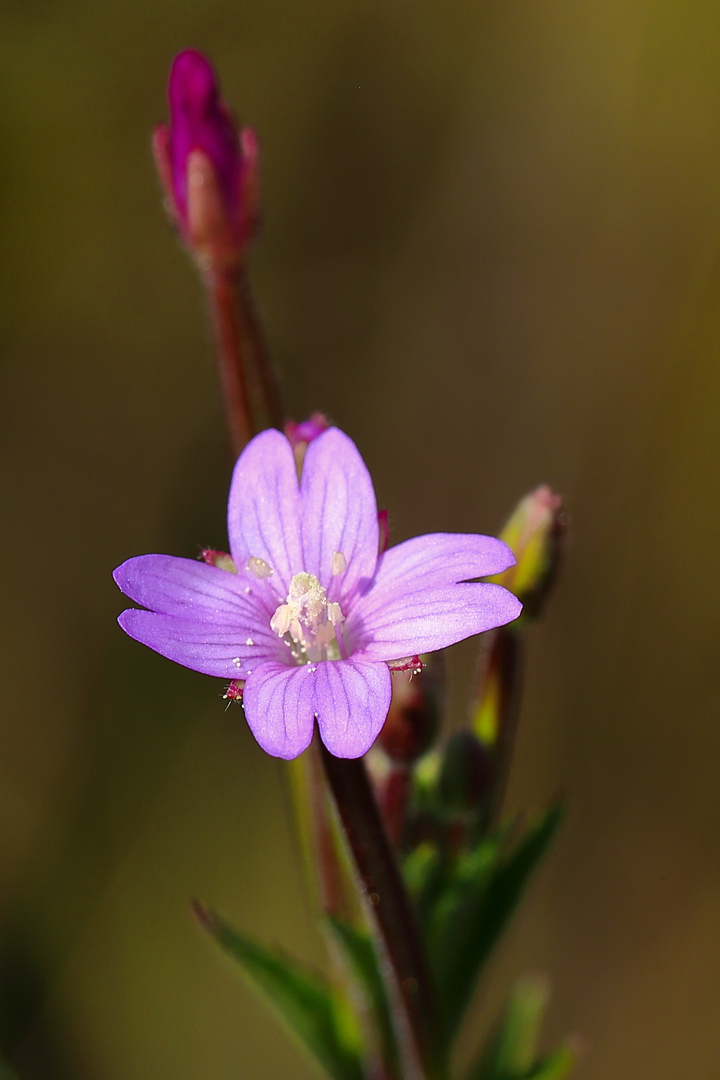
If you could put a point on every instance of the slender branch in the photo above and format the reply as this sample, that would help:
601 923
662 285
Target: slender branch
390 912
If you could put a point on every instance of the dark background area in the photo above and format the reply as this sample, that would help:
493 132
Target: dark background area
490 253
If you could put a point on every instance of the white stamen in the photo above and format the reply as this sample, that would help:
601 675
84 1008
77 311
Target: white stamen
335 615
281 620
259 568
338 563
249 641
308 620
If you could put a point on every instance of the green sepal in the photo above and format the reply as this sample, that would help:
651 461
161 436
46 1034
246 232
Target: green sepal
472 911
511 1053
301 998
360 954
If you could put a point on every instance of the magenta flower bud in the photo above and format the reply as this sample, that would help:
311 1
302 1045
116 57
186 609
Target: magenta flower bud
207 165
306 430
300 435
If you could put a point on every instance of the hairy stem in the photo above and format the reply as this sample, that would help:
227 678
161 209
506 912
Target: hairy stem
390 913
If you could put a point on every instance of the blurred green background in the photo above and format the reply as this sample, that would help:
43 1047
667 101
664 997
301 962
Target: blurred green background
490 253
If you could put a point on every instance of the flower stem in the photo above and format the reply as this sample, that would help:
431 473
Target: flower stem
390 913
249 389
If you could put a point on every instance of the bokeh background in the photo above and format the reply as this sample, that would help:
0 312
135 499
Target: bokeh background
491 254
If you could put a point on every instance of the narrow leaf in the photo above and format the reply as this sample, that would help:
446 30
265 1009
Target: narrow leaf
555 1066
301 998
360 953
473 912
511 1050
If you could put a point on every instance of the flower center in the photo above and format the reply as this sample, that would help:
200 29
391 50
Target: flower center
309 624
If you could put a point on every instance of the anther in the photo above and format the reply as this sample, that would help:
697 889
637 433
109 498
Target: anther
259 568
334 614
338 563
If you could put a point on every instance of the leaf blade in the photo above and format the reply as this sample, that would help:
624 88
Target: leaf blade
302 999
360 953
478 912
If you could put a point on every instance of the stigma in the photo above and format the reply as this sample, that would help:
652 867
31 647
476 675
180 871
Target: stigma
310 624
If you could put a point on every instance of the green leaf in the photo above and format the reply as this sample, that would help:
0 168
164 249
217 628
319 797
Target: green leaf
555 1066
473 910
511 1051
300 997
361 956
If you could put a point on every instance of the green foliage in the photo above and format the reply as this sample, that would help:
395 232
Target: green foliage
511 1053
6 1072
464 912
359 951
301 998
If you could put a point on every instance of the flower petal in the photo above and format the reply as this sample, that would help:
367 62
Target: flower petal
441 559
212 647
405 614
339 513
264 509
416 604
349 698
279 705
352 699
191 589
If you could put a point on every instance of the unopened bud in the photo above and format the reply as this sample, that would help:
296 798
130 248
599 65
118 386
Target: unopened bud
415 710
535 533
208 167
466 774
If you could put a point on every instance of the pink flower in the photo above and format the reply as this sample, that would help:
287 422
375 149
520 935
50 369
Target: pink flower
313 615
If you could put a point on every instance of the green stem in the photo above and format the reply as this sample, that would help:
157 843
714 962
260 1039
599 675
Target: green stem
390 914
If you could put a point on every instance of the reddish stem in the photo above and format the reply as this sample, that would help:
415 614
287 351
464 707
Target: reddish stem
231 359
390 913
248 385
